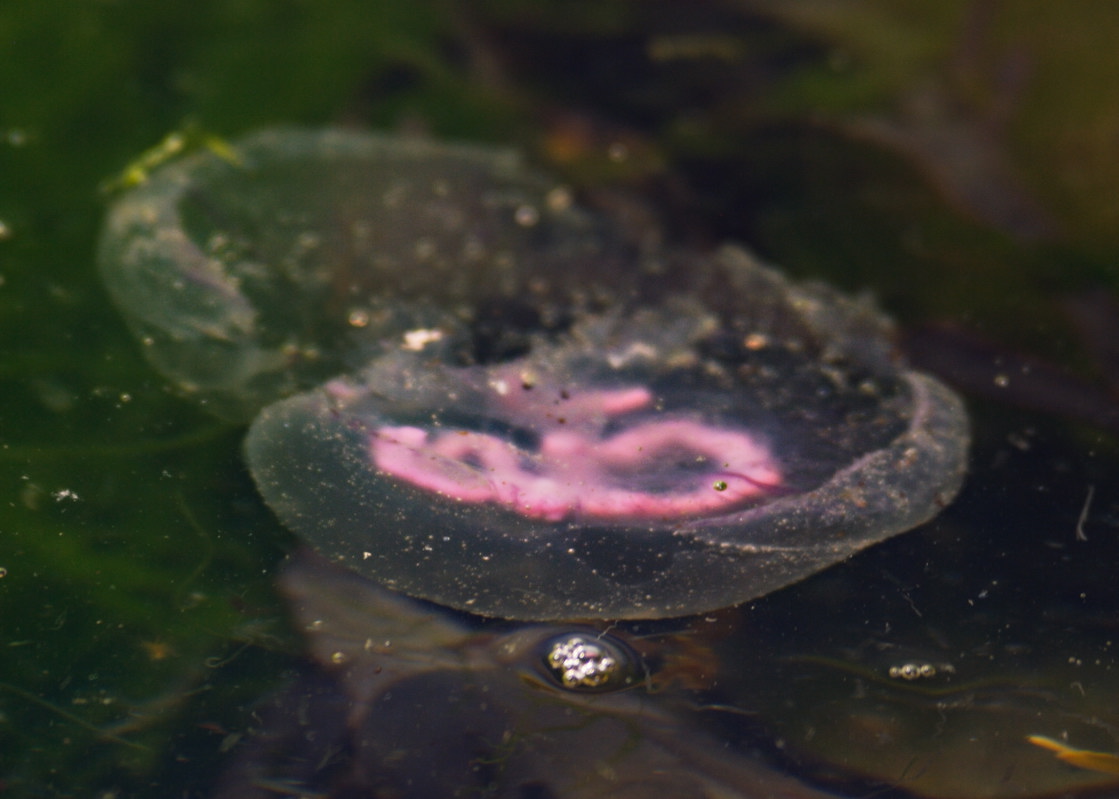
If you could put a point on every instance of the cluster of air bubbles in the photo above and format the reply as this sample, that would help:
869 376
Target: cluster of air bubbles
580 662
919 671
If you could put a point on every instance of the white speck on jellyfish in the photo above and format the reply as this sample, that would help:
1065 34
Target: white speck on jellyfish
868 388
473 250
394 196
636 352
559 199
526 215
416 340
756 341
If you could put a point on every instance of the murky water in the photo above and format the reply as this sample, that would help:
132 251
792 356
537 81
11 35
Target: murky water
152 646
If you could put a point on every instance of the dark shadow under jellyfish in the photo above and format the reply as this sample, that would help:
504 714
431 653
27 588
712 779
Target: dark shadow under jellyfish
472 391
411 700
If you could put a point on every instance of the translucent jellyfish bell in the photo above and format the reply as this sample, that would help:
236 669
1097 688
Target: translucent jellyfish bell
528 418
305 253
641 465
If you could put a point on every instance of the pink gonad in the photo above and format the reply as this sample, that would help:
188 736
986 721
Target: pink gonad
660 468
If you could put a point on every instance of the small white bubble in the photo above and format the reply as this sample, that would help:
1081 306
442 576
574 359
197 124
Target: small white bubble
1002 381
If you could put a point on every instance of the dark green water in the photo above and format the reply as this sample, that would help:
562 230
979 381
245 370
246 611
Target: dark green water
955 163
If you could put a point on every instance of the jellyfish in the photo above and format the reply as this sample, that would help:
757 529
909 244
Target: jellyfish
473 391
